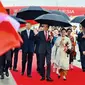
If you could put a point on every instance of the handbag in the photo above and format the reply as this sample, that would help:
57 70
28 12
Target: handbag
68 51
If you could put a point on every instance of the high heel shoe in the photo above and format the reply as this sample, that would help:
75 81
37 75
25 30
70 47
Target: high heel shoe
2 76
64 78
59 76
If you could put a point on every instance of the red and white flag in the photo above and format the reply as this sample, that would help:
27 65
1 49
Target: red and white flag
9 37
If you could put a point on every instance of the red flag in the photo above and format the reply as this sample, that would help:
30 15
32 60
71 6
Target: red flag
2 9
33 22
22 25
8 37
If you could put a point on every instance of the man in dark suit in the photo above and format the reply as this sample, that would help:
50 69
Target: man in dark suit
44 50
28 37
81 43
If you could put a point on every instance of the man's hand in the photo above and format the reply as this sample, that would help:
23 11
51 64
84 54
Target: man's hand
83 36
35 31
83 52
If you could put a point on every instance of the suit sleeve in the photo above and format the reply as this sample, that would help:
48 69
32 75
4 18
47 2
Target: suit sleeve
79 38
21 34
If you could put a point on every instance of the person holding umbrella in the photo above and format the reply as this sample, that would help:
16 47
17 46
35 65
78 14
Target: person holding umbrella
81 43
45 52
81 39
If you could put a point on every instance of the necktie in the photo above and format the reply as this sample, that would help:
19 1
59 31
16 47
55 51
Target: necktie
46 35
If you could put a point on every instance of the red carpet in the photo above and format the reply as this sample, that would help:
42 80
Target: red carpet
75 77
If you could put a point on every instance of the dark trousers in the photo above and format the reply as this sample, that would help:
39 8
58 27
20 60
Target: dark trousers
2 63
7 64
42 63
11 58
38 60
27 57
15 59
83 61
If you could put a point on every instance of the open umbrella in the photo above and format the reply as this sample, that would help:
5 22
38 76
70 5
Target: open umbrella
59 13
31 12
21 21
78 19
83 22
53 20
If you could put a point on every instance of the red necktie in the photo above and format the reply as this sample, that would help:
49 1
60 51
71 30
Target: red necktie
46 35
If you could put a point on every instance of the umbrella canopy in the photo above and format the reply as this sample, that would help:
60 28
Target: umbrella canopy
21 21
78 19
59 13
53 20
83 23
31 12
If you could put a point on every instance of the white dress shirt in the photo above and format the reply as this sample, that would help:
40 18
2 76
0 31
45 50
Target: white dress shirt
28 32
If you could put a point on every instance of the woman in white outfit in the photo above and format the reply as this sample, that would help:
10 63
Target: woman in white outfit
53 58
62 43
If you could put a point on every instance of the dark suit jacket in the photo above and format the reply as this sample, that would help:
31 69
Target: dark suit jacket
28 45
44 46
81 42
37 42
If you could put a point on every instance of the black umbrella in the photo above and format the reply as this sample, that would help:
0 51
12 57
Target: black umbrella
83 22
31 12
78 19
53 20
21 21
59 13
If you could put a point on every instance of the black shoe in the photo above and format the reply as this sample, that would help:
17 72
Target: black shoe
42 79
49 79
29 76
22 73
15 70
2 76
83 70
7 74
64 79
59 76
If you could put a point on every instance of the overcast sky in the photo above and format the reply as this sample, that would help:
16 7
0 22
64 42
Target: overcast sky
77 3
